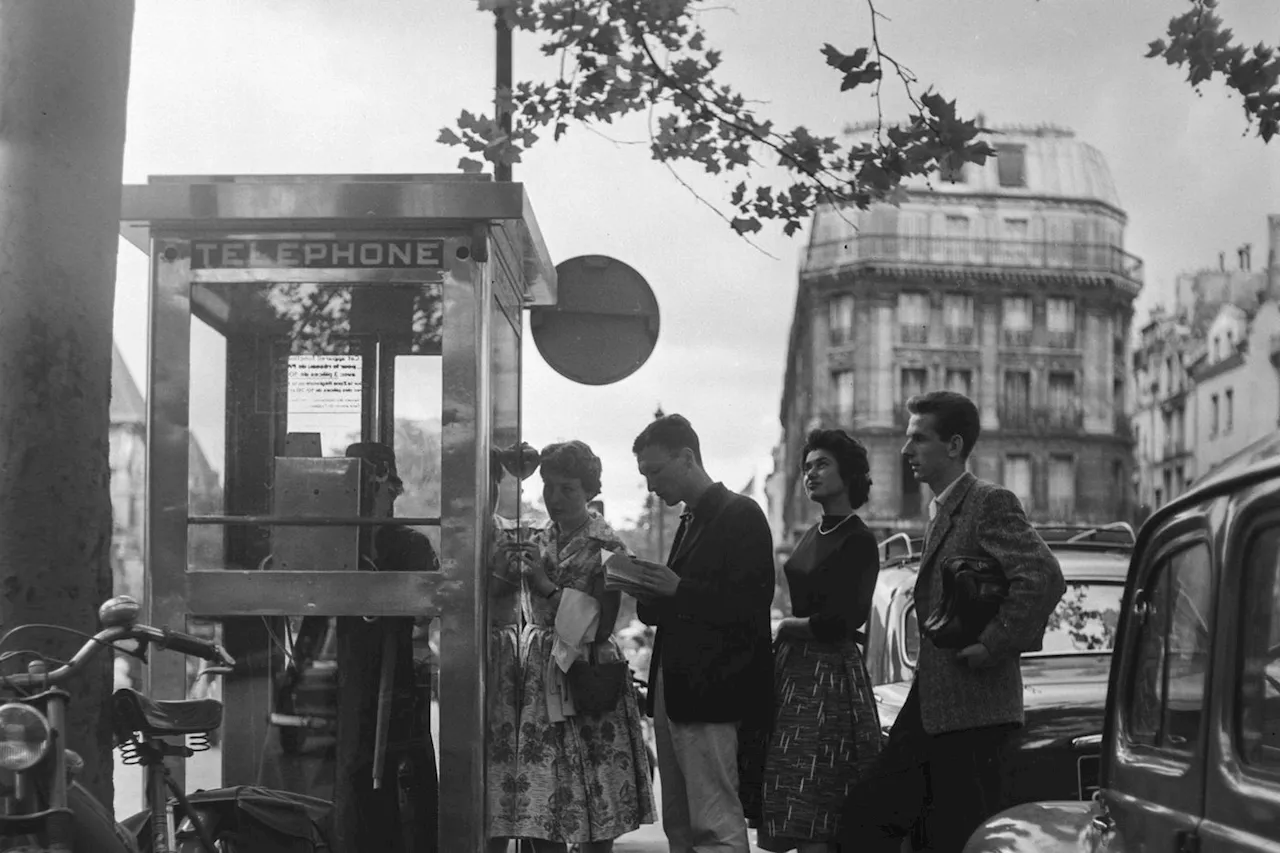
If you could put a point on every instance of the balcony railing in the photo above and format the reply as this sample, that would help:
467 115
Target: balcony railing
1042 419
1017 337
1060 340
1062 509
967 251
838 336
910 333
961 336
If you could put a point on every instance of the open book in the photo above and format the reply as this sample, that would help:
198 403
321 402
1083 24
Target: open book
623 573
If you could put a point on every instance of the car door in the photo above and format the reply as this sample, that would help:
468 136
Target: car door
1155 791
1242 796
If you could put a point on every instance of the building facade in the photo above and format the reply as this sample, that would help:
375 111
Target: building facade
1006 281
1236 395
1205 378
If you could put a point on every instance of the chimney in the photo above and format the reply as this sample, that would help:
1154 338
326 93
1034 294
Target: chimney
1243 254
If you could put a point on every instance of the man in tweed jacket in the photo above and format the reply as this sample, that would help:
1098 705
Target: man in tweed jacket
939 776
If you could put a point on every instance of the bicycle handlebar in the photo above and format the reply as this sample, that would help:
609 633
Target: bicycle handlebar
161 638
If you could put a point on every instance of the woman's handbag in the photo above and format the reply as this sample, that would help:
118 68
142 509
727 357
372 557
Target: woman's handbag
596 686
973 588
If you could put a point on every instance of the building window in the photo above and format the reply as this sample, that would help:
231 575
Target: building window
1217 348
1228 404
1062 487
913 382
840 319
957 318
951 170
1015 248
1064 404
1180 479
1060 322
960 381
913 317
1017 477
1213 415
1017 321
957 245
842 397
1015 410
1011 165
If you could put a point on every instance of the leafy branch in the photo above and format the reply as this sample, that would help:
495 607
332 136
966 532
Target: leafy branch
620 56
617 57
1198 41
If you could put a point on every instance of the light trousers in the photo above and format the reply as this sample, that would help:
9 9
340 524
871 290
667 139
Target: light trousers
698 770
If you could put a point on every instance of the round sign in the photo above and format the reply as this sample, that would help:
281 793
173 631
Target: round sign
604 324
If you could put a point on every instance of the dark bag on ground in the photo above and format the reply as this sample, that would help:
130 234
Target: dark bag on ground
596 686
973 589
248 819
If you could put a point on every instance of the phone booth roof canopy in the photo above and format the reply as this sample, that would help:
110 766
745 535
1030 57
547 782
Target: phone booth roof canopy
327 203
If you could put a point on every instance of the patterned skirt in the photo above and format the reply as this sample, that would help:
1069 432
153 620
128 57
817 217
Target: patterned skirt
826 734
583 779
502 749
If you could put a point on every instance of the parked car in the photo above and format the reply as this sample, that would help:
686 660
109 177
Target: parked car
1055 755
1191 747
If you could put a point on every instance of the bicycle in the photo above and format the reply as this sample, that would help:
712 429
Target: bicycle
39 799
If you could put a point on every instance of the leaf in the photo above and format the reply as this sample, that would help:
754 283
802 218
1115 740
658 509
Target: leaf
1155 48
448 137
470 166
745 225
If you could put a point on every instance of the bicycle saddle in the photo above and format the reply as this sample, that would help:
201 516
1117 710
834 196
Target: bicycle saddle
136 713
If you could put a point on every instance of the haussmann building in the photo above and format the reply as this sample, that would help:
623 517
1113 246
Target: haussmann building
1006 281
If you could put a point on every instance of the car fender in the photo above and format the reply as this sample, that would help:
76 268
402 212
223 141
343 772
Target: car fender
1051 827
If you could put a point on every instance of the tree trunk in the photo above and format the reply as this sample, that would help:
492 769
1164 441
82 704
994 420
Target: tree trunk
64 71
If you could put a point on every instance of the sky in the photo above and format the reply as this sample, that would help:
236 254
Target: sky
333 86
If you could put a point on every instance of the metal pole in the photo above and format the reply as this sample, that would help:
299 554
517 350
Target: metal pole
502 84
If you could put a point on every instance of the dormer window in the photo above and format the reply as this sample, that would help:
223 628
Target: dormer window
1011 165
951 172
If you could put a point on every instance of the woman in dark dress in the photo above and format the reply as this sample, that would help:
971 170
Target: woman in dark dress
826 731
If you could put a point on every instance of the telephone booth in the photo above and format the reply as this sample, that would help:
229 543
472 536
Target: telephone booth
292 317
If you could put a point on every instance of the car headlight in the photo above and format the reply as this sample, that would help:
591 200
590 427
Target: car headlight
24 736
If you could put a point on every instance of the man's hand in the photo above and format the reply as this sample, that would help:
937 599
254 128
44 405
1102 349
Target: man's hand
977 656
658 579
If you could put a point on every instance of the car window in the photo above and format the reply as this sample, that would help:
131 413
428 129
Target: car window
1258 687
1166 698
1085 619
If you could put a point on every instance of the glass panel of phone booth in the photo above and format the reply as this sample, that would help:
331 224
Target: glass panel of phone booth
316 367
306 392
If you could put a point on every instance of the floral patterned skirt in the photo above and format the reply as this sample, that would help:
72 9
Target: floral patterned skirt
583 779
826 735
503 746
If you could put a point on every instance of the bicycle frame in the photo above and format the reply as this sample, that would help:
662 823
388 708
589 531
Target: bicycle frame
34 800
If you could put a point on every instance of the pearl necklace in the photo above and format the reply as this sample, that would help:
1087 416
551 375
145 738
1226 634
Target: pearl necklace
834 527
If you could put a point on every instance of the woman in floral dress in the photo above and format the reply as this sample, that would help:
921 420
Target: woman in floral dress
580 778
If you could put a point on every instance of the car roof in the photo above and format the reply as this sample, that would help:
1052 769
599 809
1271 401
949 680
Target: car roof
1100 552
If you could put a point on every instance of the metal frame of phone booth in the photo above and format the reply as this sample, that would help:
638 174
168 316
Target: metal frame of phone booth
472 241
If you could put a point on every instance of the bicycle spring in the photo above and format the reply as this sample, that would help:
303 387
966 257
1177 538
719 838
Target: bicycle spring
198 742
129 753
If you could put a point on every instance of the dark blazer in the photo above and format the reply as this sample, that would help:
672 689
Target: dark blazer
713 639
981 519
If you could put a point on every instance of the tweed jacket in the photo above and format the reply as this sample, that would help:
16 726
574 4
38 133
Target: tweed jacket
713 639
981 519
